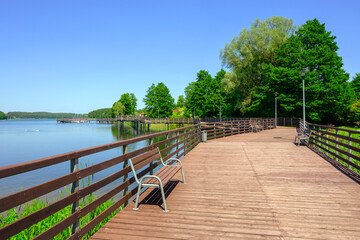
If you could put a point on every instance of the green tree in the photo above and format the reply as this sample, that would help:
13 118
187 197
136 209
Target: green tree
355 85
328 94
355 112
247 53
117 109
133 101
127 100
205 96
158 101
2 115
100 113
180 102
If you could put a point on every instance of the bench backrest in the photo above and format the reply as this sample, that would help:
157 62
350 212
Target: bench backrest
143 160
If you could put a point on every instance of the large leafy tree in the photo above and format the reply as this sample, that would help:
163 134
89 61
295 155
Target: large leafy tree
129 102
205 95
2 115
355 85
158 101
180 102
126 105
328 94
247 53
117 109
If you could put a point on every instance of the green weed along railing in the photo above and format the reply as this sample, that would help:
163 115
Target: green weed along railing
186 137
342 145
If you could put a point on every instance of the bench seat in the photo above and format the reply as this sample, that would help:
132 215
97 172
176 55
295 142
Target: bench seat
165 174
158 179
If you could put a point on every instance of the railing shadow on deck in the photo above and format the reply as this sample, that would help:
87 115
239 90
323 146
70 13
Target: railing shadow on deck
177 142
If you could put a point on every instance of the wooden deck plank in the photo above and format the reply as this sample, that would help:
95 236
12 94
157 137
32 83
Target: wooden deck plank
248 186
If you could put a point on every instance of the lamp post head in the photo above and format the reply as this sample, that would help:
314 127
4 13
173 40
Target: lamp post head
276 93
303 71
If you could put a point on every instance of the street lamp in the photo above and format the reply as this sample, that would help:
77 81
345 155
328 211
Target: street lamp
220 111
276 93
303 71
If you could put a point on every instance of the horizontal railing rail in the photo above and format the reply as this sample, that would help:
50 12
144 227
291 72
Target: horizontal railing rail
223 129
145 120
288 122
340 144
177 142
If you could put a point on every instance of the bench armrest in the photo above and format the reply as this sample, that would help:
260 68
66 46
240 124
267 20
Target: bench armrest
172 159
150 176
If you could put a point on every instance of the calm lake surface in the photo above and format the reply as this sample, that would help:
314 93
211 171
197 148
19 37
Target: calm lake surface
26 140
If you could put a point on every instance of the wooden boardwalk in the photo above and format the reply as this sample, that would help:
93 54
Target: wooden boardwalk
248 186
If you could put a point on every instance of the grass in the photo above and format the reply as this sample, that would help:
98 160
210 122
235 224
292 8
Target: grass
14 214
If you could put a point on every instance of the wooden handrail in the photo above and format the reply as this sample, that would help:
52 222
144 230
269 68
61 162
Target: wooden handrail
186 138
344 150
189 135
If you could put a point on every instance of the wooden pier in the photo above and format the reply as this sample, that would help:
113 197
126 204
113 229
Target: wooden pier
248 181
247 186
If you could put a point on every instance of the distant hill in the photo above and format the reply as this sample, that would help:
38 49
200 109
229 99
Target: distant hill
42 115
100 113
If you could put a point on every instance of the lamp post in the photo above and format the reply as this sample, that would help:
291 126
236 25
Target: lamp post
276 93
303 71
220 111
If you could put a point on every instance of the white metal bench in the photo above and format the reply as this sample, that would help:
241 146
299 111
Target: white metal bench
301 137
160 178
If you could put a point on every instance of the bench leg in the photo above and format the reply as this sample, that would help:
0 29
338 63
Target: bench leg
163 197
137 198
183 176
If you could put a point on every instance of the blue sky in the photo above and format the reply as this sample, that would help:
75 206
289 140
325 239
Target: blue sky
78 56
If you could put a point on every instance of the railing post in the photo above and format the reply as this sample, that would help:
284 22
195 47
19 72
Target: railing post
151 141
336 145
349 150
224 130
74 166
125 165
320 139
167 144
327 142
177 144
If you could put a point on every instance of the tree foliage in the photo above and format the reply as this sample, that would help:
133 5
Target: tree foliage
2 115
117 109
158 101
328 94
43 115
247 53
205 96
126 105
100 113
355 85
180 102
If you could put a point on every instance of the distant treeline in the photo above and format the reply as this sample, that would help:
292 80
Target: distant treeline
100 113
42 115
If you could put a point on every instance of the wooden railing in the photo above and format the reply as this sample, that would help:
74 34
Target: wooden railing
223 129
288 122
341 145
177 142
145 120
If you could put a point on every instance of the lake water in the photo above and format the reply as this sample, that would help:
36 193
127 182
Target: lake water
26 140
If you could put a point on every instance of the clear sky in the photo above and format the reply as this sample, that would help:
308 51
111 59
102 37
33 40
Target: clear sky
78 56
